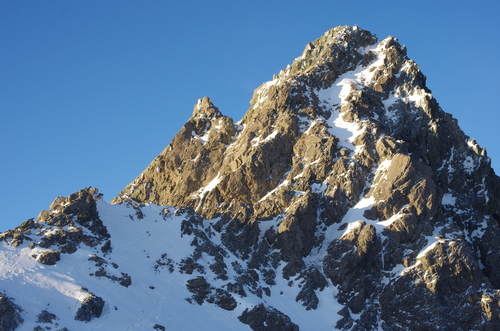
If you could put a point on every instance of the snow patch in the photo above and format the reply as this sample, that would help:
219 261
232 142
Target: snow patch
469 164
283 183
203 139
204 190
389 221
257 140
427 249
337 94
448 199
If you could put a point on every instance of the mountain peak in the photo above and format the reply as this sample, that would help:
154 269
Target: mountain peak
204 108
345 188
345 89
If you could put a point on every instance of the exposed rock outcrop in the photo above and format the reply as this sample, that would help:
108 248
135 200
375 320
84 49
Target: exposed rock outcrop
91 307
262 318
48 257
10 314
69 222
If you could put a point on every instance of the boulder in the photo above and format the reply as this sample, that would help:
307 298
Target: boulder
267 318
48 257
91 307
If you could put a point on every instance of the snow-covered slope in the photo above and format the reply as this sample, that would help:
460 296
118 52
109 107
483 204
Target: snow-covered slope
150 245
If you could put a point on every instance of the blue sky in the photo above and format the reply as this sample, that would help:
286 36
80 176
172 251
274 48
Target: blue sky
92 91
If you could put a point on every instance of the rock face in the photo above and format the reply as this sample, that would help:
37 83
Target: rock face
349 126
262 318
75 219
345 181
10 316
91 307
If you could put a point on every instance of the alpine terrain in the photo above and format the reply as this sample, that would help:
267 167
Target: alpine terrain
345 198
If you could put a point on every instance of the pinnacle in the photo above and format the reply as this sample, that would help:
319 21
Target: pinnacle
204 108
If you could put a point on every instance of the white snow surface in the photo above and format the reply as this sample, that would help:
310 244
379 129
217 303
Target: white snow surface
155 296
137 244
258 140
204 190
448 199
338 93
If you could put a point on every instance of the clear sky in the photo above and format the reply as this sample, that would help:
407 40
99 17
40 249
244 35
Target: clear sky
92 91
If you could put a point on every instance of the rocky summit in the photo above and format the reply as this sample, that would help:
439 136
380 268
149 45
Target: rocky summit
344 199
